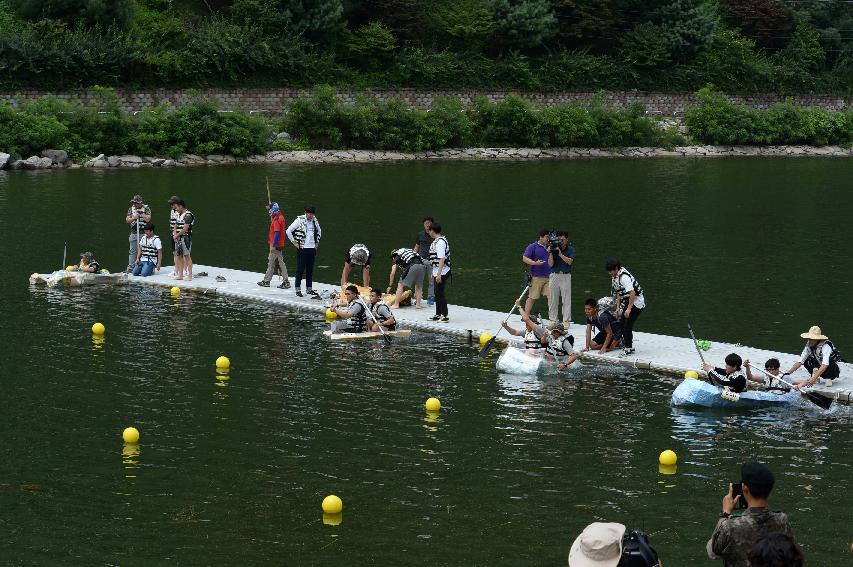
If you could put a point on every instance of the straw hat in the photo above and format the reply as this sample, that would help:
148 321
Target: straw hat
599 545
814 333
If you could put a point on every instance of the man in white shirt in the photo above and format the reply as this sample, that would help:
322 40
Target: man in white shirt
439 257
305 233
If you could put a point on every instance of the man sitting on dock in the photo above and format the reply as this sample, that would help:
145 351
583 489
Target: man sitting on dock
381 312
414 270
357 255
731 377
604 322
353 317
820 358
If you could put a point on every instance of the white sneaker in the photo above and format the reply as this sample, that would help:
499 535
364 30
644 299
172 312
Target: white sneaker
173 273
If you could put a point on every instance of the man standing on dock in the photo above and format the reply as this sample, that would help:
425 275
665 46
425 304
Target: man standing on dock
422 243
536 256
630 300
560 280
439 257
276 242
305 234
138 215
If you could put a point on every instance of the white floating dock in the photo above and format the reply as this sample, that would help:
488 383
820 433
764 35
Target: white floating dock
656 353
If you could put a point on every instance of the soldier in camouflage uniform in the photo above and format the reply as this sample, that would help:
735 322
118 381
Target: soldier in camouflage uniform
736 534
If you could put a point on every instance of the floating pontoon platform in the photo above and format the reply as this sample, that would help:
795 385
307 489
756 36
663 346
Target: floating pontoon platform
655 353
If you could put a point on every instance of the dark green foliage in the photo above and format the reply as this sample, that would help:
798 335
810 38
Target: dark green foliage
523 24
370 46
766 22
93 12
510 122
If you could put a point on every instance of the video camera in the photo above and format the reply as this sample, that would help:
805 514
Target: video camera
554 242
637 552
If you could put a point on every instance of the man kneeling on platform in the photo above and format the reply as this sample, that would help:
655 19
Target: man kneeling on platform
353 317
381 312
732 377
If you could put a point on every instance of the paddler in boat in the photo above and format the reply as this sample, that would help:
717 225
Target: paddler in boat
381 312
353 317
535 335
820 358
87 264
560 345
731 377
772 367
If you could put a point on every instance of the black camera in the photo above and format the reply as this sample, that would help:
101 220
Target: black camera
553 242
637 552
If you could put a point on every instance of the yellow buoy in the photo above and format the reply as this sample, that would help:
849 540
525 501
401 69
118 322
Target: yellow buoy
667 469
484 338
175 291
668 458
98 329
331 315
130 435
333 519
222 363
691 374
69 267
432 404
332 504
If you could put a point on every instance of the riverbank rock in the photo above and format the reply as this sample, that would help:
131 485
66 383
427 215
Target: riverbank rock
169 163
157 162
36 162
113 161
4 159
57 157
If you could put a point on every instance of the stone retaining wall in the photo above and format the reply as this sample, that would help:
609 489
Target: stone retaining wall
272 100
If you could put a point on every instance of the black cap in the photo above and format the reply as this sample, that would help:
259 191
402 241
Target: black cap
756 474
148 226
174 199
311 209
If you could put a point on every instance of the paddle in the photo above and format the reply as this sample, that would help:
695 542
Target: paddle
369 312
64 253
725 393
695 343
269 198
816 399
486 347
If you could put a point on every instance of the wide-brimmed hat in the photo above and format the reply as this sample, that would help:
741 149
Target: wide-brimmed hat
136 199
814 333
599 545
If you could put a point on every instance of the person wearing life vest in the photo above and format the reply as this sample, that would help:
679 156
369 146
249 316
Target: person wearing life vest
820 358
630 301
731 377
605 325
381 312
771 367
183 236
305 233
357 255
561 344
353 317
87 264
413 274
276 243
138 215
173 222
535 334
149 254
439 257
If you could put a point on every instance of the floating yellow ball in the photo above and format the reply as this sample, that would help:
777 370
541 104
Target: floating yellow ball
331 315
668 458
484 338
222 363
691 374
432 404
98 329
667 469
175 291
332 504
69 267
130 435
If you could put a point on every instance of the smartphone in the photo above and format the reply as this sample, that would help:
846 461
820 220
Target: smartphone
737 491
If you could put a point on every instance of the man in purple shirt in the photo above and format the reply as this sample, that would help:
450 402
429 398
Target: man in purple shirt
536 256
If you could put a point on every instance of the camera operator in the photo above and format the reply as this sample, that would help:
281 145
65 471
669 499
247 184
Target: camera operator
605 544
560 280
736 534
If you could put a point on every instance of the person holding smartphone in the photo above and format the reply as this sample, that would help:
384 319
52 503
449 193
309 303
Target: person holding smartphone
736 533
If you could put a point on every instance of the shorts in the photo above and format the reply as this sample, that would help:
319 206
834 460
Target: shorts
172 241
414 276
184 247
539 287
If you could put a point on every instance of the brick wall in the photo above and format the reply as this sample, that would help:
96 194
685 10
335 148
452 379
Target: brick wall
272 100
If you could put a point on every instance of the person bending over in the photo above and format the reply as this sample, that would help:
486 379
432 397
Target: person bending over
414 270
819 357
353 317
605 324
630 299
357 255
381 312
731 377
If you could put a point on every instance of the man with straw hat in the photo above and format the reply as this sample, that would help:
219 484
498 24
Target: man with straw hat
820 358
599 545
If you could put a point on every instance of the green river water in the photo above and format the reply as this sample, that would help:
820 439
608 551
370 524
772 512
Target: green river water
232 472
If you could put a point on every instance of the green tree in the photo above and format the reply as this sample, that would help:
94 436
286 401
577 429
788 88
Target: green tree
523 23
370 45
766 22
464 24
104 12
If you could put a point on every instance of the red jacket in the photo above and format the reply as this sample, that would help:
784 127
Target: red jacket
277 225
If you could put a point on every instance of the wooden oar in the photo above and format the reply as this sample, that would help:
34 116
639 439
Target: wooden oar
64 254
269 198
486 347
378 324
816 399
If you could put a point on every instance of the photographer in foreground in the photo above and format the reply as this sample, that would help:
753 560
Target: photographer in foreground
736 534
